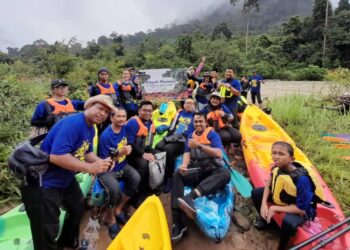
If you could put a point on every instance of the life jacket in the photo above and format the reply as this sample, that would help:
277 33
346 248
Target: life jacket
111 92
59 108
215 119
59 111
202 90
199 157
242 104
126 88
283 185
225 92
144 135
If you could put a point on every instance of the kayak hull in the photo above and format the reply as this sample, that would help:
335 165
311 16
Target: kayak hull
146 229
259 132
15 233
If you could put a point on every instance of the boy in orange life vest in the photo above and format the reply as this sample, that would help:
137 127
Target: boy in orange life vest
297 211
48 112
204 151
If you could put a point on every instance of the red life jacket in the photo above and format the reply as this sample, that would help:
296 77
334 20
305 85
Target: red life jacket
60 108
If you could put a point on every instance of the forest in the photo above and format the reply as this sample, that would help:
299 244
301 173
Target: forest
289 40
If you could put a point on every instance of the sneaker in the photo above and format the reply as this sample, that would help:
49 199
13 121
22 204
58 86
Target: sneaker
260 224
167 186
186 204
114 230
177 231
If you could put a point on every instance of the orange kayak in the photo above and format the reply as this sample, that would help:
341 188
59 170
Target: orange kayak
259 132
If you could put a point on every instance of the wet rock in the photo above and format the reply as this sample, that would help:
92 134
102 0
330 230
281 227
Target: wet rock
241 221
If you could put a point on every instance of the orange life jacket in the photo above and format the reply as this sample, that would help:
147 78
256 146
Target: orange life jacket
143 130
216 118
59 108
203 138
105 91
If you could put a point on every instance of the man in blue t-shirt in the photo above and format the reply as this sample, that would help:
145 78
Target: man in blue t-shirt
202 169
232 93
69 146
255 82
114 136
50 111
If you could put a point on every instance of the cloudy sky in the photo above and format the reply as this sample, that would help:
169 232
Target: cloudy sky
24 21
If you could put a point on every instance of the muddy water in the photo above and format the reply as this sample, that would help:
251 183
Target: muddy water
235 239
276 88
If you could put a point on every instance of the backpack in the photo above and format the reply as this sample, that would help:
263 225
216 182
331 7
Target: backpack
29 161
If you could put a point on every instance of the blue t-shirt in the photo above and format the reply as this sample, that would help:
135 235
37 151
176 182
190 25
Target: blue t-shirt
213 137
255 83
305 196
71 135
110 139
130 103
184 123
40 112
132 127
231 102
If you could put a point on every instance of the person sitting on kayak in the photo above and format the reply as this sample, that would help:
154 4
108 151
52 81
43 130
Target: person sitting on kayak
128 91
202 169
50 111
114 136
174 143
140 131
69 146
255 82
231 90
298 207
219 117
203 91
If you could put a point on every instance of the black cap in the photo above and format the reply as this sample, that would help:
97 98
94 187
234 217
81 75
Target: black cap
103 69
58 82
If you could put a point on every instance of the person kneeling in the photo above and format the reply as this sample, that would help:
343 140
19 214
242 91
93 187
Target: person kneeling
203 152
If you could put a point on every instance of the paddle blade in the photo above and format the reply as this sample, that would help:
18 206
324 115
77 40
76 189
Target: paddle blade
242 185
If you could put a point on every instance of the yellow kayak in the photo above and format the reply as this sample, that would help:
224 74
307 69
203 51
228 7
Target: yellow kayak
259 132
147 229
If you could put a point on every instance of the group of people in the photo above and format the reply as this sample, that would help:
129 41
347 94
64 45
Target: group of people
200 133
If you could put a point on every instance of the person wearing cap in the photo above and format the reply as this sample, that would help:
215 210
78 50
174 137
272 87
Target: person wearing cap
50 111
69 147
220 117
174 142
202 92
128 93
255 82
104 87
232 91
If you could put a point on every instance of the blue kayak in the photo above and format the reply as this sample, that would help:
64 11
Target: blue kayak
214 211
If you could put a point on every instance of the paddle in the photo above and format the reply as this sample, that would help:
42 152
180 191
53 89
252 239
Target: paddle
238 181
